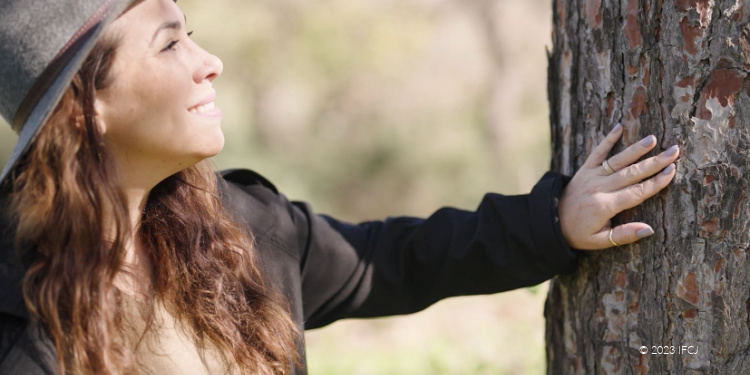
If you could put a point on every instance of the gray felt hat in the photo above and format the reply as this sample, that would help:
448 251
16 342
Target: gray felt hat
42 45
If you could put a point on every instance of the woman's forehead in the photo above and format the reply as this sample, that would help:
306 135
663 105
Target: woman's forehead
150 11
138 26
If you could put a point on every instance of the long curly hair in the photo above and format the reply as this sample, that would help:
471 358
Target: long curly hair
72 219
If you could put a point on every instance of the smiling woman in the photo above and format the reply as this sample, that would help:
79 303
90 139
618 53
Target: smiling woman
123 252
110 274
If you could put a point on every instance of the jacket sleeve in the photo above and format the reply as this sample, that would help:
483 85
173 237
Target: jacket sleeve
402 265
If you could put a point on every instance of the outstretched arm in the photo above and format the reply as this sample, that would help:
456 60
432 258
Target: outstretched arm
401 265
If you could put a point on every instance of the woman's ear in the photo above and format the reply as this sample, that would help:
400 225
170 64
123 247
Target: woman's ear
99 111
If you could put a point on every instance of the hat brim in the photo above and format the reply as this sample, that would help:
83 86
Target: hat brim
48 101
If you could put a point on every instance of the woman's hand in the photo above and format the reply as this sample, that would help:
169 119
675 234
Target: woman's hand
594 195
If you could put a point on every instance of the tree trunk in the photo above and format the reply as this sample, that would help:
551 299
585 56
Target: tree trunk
677 69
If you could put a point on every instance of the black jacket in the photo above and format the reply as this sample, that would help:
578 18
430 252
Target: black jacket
330 270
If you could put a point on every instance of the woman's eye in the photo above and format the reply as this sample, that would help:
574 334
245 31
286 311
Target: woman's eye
171 45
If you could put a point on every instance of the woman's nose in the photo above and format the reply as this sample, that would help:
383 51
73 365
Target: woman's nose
210 69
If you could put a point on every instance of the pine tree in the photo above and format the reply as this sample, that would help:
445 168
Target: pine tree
677 69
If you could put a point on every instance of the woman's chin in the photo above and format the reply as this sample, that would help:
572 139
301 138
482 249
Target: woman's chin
216 149
212 146
194 159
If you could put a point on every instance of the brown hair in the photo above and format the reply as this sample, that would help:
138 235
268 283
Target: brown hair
205 273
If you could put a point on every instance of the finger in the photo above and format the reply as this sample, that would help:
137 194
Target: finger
623 234
635 194
631 154
600 152
638 172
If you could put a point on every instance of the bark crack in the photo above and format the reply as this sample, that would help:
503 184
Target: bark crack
624 80
660 79
705 63
662 203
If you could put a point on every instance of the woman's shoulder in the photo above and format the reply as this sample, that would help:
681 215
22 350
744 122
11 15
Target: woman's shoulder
246 194
12 267
254 201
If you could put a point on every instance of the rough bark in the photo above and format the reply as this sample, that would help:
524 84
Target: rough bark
677 69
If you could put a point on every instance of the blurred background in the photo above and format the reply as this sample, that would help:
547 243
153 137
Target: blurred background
368 109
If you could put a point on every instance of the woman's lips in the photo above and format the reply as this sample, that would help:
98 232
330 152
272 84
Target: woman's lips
206 110
203 108
206 107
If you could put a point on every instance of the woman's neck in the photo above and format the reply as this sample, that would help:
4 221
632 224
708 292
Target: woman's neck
135 199
136 277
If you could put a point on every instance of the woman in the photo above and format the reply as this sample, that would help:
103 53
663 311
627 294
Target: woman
122 252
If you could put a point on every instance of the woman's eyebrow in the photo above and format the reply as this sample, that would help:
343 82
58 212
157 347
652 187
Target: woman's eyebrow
172 25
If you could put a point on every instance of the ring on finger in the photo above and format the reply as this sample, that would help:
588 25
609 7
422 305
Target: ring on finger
610 237
607 167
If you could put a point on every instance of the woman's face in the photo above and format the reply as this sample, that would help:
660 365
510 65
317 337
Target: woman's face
158 114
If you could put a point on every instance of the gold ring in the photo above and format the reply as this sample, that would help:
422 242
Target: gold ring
610 237
607 167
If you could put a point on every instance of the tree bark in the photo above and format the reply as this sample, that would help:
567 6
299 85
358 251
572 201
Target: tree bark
677 69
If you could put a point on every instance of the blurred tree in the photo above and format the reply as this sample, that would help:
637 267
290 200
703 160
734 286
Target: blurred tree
677 69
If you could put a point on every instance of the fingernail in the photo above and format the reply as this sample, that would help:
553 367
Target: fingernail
648 141
616 128
672 150
668 169
645 232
